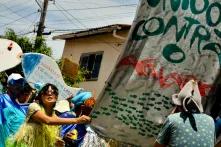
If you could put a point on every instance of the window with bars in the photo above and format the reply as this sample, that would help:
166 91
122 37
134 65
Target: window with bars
91 62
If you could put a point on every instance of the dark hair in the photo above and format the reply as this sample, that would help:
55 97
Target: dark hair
19 88
26 88
43 91
86 107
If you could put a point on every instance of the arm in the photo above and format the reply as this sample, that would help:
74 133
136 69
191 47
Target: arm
41 117
163 137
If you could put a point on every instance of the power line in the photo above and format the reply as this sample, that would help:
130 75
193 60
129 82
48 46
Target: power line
69 14
73 17
95 14
18 19
6 17
88 2
70 20
13 24
19 10
88 19
14 12
22 34
100 17
79 20
104 7
28 28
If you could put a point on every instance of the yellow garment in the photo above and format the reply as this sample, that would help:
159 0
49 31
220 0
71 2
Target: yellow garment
33 134
75 134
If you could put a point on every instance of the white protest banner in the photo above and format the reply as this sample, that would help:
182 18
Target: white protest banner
39 68
170 42
10 54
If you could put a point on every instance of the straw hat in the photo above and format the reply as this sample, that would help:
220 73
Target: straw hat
189 97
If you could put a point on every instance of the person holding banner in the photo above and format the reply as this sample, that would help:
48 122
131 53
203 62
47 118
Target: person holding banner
13 106
188 126
41 126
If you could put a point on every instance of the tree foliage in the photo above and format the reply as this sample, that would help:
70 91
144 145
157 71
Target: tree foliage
80 76
39 45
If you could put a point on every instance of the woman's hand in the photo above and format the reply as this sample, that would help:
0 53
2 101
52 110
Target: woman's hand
59 142
71 135
83 119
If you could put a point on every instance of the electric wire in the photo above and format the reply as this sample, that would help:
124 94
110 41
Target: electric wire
72 16
24 32
11 10
65 15
103 7
18 19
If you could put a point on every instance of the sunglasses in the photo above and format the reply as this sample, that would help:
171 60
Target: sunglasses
51 92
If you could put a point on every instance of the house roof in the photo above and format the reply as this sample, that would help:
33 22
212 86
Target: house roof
93 31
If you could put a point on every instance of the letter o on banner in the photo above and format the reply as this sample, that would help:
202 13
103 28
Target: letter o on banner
193 6
209 13
170 51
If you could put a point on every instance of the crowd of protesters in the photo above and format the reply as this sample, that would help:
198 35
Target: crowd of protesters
32 124
41 121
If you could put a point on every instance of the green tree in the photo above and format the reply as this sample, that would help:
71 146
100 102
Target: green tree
28 45
80 76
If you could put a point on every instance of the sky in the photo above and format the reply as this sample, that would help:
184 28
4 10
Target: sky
64 16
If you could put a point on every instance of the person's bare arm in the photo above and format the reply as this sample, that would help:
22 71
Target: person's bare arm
40 116
156 144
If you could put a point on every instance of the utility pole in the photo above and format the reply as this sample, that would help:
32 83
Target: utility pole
42 18
41 26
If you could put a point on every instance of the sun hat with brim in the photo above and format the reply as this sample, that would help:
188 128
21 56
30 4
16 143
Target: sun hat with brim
16 79
188 97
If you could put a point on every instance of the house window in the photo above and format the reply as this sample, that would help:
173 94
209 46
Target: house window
91 62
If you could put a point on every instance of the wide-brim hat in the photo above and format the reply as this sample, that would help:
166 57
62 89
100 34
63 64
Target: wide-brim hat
189 95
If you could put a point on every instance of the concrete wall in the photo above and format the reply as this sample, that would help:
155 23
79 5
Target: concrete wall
111 47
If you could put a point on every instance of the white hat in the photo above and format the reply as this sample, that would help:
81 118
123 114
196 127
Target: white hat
14 76
188 94
16 80
62 106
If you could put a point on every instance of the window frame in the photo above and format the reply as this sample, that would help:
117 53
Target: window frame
83 55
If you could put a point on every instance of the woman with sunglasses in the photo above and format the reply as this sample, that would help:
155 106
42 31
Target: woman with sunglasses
41 127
